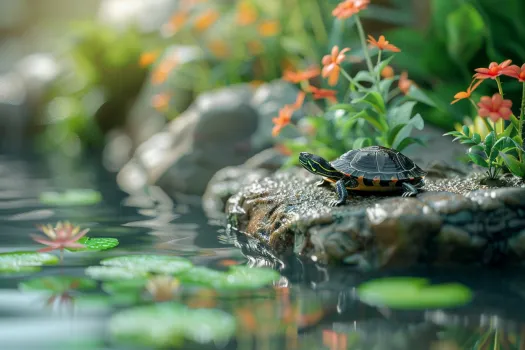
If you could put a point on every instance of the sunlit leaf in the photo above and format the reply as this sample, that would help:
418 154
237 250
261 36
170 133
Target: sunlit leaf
25 261
515 166
412 293
375 100
478 159
112 273
71 197
95 244
168 324
163 264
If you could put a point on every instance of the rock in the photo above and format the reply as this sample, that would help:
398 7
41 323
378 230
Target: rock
288 213
210 135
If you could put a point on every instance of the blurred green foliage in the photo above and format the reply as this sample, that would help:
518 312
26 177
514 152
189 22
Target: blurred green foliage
461 36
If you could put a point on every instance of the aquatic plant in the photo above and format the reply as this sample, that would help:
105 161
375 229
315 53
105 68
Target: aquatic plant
22 261
412 293
71 197
371 111
161 288
63 235
501 149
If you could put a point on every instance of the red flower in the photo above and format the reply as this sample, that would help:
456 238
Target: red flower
349 8
284 118
331 64
323 93
515 72
63 235
405 83
382 44
494 70
495 108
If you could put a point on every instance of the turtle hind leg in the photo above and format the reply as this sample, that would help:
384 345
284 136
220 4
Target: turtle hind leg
410 190
342 194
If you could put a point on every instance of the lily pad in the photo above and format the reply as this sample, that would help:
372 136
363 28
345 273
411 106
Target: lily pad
201 276
58 284
412 293
71 197
163 325
162 264
95 244
242 277
124 286
25 261
113 273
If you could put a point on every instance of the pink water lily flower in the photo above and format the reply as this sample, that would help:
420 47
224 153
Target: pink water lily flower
63 235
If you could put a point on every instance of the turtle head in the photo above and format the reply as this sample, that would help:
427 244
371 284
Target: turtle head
318 165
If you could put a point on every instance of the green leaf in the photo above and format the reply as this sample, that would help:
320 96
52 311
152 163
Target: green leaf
477 149
500 145
476 138
23 261
113 273
508 131
466 130
412 293
407 142
392 133
405 131
58 284
374 99
95 244
362 142
453 133
515 122
465 33
379 68
477 159
489 142
72 197
243 277
364 75
164 264
166 325
417 94
400 114
515 166
201 276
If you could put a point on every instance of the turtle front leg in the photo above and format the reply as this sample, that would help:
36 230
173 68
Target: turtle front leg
410 190
342 193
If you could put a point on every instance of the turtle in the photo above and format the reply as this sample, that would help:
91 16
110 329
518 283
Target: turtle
374 169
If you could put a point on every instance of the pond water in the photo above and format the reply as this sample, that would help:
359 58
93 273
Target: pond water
308 307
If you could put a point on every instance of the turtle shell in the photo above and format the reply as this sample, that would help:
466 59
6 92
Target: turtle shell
378 162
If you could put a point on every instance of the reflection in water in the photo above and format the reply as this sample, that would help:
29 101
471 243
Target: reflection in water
309 307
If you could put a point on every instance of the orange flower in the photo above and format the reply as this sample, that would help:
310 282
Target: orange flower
246 14
405 83
63 235
269 28
494 70
387 72
161 102
176 22
466 94
298 76
515 72
160 74
282 149
382 44
349 8
205 20
494 107
284 118
219 48
323 93
331 64
299 100
148 58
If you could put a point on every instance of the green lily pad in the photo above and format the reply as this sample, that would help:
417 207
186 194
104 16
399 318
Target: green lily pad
58 284
71 197
25 261
162 264
412 293
201 276
95 244
163 325
124 286
112 273
242 277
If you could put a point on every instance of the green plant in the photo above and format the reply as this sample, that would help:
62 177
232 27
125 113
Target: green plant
373 110
501 150
460 36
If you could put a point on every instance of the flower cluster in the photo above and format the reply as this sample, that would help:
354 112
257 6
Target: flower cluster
369 110
501 149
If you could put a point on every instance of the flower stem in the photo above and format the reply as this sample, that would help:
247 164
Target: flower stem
500 89
522 114
348 77
378 70
363 43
